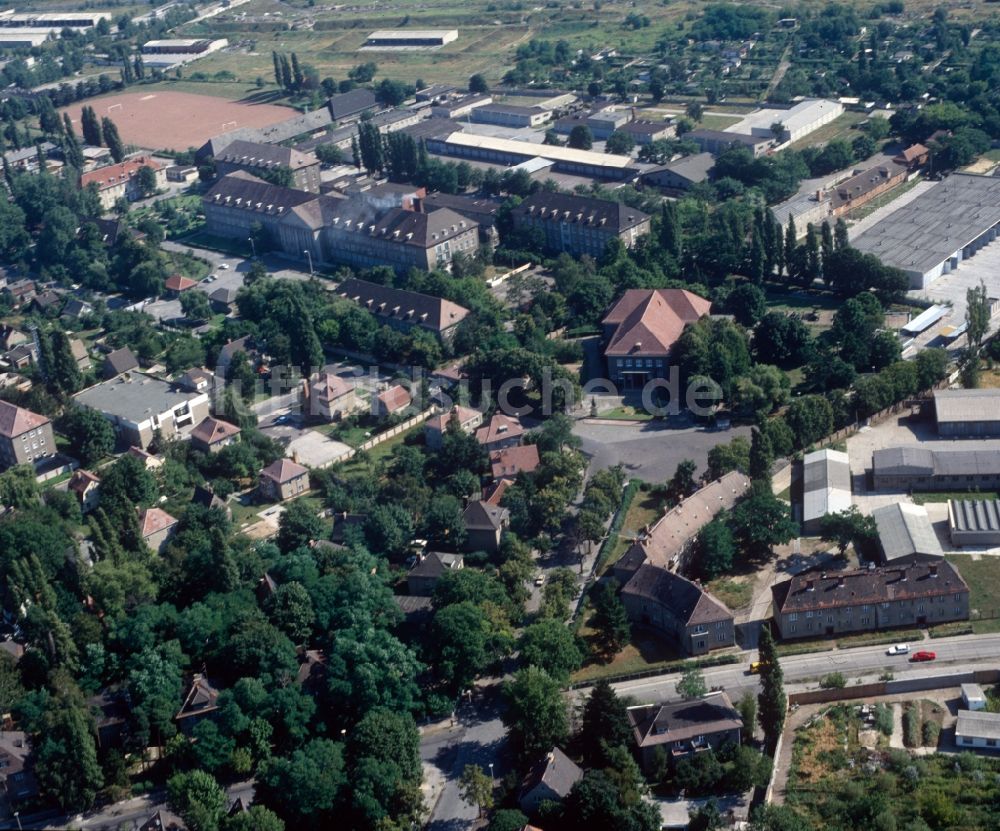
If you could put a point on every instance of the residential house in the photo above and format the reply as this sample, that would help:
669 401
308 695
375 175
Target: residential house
914 156
579 224
669 541
870 599
121 181
977 729
429 568
549 780
75 308
680 176
157 528
405 310
148 460
223 300
417 611
329 397
512 461
110 707
484 525
163 820
695 620
46 302
465 418
86 487
119 361
11 337
212 434
641 329
973 697
201 702
16 768
282 480
177 284
21 356
230 350
139 406
197 380
24 436
683 728
80 354
393 400
263 159
204 495
501 432
19 292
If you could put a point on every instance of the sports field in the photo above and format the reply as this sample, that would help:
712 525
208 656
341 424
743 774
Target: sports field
157 119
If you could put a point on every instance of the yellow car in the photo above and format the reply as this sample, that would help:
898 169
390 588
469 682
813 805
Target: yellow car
755 667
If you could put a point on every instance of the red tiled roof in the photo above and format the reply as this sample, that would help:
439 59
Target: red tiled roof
514 460
81 480
178 282
283 471
330 387
395 398
461 414
154 520
500 428
649 321
212 430
113 175
494 493
15 421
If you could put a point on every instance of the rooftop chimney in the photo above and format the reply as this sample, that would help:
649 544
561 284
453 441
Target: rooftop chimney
933 569
809 586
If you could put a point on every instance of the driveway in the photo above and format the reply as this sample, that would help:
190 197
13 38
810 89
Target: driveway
308 447
649 450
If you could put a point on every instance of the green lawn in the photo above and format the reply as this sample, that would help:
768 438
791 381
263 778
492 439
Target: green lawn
626 414
983 577
881 200
734 593
644 510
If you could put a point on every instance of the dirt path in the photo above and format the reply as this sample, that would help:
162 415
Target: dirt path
896 739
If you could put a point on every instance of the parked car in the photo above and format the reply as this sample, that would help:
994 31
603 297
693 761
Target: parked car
923 656
898 649
540 580
755 667
224 266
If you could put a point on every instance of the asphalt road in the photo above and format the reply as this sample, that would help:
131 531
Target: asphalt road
953 655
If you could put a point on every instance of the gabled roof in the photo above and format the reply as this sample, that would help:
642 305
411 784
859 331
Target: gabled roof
255 154
283 471
395 398
556 770
243 190
420 309
514 460
650 321
201 698
154 520
212 430
458 413
905 531
436 563
655 724
119 361
350 103
16 420
232 347
493 493
481 515
616 217
117 174
500 428
913 152
178 282
329 387
82 480
686 601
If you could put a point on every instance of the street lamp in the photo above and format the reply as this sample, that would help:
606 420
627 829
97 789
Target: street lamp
308 253
253 248
17 816
493 783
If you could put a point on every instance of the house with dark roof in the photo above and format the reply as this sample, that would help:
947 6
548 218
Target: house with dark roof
223 299
579 224
212 434
484 525
870 599
351 104
24 436
21 356
695 620
549 780
481 210
429 568
681 175
204 495
282 480
46 302
641 329
261 159
404 310
75 308
510 462
201 702
684 728
118 362
148 460
919 468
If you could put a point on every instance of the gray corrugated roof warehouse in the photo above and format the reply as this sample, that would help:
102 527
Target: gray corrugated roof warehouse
967 412
905 531
826 485
974 521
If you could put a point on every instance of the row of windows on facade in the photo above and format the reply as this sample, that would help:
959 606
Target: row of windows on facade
650 362
867 607
866 621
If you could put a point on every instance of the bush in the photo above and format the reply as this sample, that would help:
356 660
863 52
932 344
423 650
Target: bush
883 719
833 681
911 725
931 731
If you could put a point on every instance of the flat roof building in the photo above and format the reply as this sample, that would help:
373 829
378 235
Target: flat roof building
974 521
410 38
826 487
797 121
508 115
933 234
967 412
718 141
905 533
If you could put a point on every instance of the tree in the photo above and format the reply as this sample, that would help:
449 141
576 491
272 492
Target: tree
716 548
389 530
63 372
692 685
580 137
977 320
761 457
305 788
747 303
695 111
682 484
536 713
771 700
257 818
478 85
734 455
604 724
840 236
610 618
291 610
198 799
329 154
847 527
602 800
476 788
298 525
549 644
146 177
810 417
761 522
90 127
747 769
747 705
195 303
507 819
66 755
112 139
706 818
619 142
459 641
90 434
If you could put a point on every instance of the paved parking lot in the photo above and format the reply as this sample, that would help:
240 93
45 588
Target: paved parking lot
309 447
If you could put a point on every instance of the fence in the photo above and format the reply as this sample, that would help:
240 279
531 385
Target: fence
934 682
667 668
384 436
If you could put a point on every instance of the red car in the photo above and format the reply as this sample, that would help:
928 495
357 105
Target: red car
923 656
